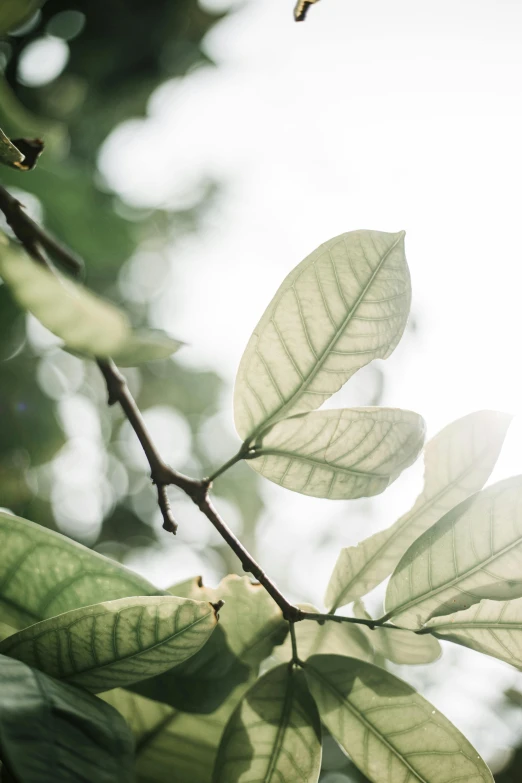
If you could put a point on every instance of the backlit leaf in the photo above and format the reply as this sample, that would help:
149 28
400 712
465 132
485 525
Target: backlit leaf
250 624
343 306
43 573
391 733
13 13
273 735
473 552
85 322
399 646
145 345
114 643
491 627
337 454
168 739
457 463
53 731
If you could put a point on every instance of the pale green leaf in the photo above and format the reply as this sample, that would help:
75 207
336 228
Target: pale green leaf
457 463
350 453
168 739
9 154
51 731
115 643
330 637
250 624
82 320
13 13
490 627
391 733
273 735
473 552
399 646
343 306
145 345
43 573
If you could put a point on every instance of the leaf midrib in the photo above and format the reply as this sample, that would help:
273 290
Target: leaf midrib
280 412
281 729
367 724
319 463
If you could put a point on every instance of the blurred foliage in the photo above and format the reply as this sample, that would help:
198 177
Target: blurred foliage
118 54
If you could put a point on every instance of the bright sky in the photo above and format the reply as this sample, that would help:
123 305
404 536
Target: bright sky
375 114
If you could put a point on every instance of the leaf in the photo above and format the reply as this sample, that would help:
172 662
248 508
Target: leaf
338 454
43 573
457 463
330 637
389 731
114 643
399 646
473 552
168 739
490 627
273 735
250 625
9 154
13 13
343 306
51 731
145 345
85 322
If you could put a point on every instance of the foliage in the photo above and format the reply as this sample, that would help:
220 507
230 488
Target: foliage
232 684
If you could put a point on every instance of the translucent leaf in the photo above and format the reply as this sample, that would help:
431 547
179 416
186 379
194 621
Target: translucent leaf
82 320
43 573
473 552
490 627
53 731
146 345
250 624
457 463
391 733
343 306
403 647
330 637
338 454
274 733
168 739
13 13
114 643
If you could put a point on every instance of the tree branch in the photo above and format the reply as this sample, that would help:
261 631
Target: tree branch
36 241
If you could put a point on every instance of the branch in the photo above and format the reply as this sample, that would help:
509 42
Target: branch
36 241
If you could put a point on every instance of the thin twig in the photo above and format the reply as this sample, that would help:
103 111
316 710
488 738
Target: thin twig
33 237
36 241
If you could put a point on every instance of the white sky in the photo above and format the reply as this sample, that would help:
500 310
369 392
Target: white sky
371 114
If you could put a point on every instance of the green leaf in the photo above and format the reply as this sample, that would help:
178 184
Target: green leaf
9 154
490 627
343 306
330 637
51 731
338 454
145 345
13 13
43 573
273 735
169 740
457 463
250 625
473 552
401 646
389 731
82 320
115 643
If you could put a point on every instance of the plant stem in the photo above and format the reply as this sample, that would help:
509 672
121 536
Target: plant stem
293 638
232 461
338 618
